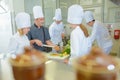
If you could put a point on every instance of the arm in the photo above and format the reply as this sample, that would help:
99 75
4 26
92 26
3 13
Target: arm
48 42
36 41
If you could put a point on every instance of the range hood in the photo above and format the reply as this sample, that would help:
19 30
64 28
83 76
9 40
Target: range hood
117 2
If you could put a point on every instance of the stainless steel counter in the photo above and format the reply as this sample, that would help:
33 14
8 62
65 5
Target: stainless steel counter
54 71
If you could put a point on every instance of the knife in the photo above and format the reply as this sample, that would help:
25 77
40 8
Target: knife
48 46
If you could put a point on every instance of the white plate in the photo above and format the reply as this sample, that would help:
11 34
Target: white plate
56 57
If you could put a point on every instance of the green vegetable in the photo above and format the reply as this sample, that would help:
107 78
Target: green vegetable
61 55
67 47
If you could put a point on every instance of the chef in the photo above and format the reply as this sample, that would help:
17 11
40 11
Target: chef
79 42
20 40
99 33
38 34
56 29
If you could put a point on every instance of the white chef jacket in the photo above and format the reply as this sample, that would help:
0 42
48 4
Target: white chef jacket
55 31
101 34
80 45
17 43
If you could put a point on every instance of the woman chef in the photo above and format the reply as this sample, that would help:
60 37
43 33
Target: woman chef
99 32
79 42
20 40
56 29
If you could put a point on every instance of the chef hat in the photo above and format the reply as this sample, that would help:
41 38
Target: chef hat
37 12
23 20
88 16
75 14
58 15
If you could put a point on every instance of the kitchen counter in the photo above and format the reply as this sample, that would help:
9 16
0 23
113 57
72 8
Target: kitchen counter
54 71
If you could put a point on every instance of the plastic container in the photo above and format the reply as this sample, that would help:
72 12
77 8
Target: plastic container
29 66
97 66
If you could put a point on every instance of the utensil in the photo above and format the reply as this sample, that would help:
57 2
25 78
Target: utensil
48 46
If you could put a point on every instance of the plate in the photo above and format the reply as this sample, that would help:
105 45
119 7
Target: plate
57 56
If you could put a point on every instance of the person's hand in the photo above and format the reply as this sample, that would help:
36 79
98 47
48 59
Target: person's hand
63 35
66 61
57 48
38 42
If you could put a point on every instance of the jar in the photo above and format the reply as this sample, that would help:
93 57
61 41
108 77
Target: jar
97 66
28 66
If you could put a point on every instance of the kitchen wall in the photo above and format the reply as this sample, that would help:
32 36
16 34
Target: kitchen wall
111 12
49 11
112 17
116 43
104 10
29 4
18 6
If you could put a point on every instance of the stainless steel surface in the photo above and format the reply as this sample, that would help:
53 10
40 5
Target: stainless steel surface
54 71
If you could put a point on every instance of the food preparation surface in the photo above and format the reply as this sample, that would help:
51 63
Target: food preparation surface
54 71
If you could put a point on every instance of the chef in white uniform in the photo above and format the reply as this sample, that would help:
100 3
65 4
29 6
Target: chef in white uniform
99 33
56 29
19 40
79 42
